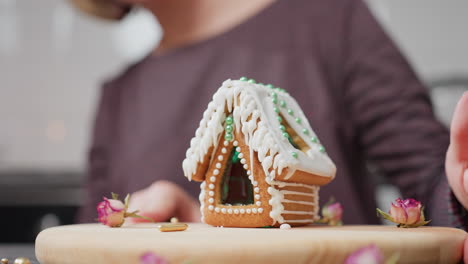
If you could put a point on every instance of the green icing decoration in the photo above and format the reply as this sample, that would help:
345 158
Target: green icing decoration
235 157
290 111
322 149
285 134
283 103
243 79
228 137
283 128
298 120
279 119
274 100
270 86
305 131
251 81
294 154
276 109
314 140
228 128
274 95
229 120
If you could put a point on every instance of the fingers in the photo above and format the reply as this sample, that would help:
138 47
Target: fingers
163 200
456 163
459 129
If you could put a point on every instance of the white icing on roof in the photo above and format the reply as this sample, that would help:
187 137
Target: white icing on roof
253 112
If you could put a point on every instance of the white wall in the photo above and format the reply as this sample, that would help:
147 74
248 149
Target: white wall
52 61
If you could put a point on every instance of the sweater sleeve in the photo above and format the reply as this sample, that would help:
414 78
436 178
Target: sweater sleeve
392 114
98 157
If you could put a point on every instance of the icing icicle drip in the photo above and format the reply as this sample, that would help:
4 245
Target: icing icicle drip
276 203
201 197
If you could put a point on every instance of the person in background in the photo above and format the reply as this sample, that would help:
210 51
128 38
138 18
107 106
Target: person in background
360 94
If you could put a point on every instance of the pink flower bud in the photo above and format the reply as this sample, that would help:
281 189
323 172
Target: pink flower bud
333 212
367 255
406 212
151 258
111 212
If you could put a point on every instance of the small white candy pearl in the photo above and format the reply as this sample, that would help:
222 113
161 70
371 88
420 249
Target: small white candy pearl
240 155
258 203
256 190
285 226
260 210
248 211
223 210
248 173
211 200
242 211
235 143
254 183
211 193
226 143
218 165
238 149
211 186
210 207
220 157
251 178
257 197
217 209
254 210
224 150
213 178
229 211
216 172
246 167
236 211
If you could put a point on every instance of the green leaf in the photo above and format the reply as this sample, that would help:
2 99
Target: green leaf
385 216
331 201
127 200
115 196
423 218
139 216
418 224
393 259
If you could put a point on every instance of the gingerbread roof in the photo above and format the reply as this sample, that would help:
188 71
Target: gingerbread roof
257 111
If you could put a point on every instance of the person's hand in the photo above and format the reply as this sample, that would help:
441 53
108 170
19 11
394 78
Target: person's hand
163 200
456 163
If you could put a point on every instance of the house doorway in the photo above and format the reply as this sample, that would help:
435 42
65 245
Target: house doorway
236 188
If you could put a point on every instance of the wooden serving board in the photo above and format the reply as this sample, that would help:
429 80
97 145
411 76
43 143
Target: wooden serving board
202 244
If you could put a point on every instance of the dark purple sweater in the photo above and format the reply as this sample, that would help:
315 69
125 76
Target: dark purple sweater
361 97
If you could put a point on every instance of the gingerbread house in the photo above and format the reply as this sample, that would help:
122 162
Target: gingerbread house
259 161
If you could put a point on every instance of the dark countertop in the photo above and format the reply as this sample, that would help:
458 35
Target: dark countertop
12 251
44 188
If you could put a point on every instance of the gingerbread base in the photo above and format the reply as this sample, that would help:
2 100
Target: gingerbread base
203 244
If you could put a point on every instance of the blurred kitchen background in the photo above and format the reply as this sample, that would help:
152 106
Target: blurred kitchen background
53 60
